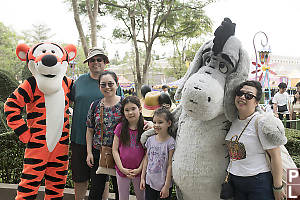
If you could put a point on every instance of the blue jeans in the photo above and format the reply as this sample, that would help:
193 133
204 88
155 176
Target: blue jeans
258 187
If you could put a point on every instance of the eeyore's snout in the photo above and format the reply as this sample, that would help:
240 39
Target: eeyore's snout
49 60
200 100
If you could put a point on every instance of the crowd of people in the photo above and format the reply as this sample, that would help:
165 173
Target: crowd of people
150 170
284 105
103 117
123 123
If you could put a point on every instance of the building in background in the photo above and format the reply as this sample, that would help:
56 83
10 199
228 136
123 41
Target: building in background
287 70
156 75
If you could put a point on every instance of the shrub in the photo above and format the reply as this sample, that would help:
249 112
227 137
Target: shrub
12 153
11 163
293 144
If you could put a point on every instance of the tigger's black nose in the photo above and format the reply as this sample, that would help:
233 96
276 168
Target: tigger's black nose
49 60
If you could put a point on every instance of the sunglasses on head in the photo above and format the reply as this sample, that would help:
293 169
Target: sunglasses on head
248 96
109 84
98 60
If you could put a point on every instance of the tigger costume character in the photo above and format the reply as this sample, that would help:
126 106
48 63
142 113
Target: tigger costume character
46 131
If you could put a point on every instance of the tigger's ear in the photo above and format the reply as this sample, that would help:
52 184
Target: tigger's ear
72 51
21 51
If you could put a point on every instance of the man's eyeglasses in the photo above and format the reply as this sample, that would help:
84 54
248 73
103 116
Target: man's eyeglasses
248 96
109 84
98 60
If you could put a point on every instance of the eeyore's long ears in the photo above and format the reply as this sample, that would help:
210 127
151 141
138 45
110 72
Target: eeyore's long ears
222 33
227 44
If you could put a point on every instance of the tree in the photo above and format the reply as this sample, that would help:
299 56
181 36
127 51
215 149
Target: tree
85 7
184 52
80 67
8 58
38 33
146 20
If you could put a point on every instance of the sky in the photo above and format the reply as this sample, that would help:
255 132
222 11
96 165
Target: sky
279 19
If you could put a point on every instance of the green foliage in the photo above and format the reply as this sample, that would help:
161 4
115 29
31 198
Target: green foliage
11 163
26 73
293 144
80 67
296 159
8 58
38 33
11 154
8 43
7 84
182 58
3 126
120 33
143 22
82 7
178 67
187 20
191 51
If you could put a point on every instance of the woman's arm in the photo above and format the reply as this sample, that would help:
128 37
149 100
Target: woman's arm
276 166
290 107
275 109
89 139
165 190
291 110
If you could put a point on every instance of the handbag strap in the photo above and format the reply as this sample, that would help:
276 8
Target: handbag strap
244 129
230 162
101 120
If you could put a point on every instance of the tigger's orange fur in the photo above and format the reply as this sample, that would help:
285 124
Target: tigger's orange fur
46 154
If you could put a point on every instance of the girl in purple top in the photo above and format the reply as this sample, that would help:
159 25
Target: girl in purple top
157 166
127 148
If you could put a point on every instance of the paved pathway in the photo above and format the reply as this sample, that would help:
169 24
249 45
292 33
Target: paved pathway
8 192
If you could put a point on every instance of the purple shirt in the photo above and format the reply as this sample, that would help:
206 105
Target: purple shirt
158 153
131 156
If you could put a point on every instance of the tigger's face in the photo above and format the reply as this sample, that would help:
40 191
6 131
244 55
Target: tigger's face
48 63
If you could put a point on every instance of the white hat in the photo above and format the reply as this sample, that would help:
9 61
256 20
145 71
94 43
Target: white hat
95 51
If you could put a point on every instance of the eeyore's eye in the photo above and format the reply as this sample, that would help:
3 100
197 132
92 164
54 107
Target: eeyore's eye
44 51
206 60
223 68
52 51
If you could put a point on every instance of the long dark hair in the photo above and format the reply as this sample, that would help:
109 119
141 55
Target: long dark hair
295 99
124 136
168 116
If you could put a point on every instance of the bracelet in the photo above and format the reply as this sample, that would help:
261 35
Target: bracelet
278 188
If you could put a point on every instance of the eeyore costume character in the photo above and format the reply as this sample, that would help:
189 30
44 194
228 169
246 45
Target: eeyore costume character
207 106
204 115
